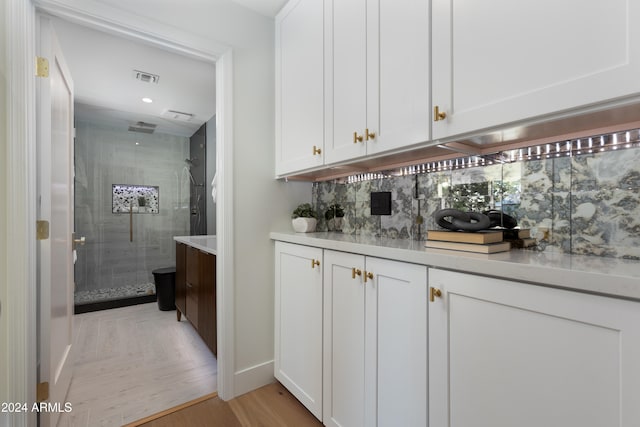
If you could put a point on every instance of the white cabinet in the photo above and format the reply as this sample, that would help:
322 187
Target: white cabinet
352 79
377 76
299 86
298 322
498 62
508 354
375 342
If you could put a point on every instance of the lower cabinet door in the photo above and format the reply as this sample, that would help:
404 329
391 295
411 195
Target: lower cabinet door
505 354
396 344
298 322
375 342
344 339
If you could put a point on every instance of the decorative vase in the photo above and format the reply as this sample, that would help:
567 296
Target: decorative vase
304 225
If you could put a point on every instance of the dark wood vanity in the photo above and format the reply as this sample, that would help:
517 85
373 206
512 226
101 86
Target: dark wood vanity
196 291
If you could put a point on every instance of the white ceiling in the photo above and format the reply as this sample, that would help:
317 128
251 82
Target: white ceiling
102 68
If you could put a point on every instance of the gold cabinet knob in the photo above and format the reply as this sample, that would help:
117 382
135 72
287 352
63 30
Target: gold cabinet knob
355 272
434 293
316 150
368 275
357 138
438 115
369 135
315 262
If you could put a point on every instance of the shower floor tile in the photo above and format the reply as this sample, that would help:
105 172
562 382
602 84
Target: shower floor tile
96 295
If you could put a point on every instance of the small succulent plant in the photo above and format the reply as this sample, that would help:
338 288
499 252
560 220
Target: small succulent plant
304 211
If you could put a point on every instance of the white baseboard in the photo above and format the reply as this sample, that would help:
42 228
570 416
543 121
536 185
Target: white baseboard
253 377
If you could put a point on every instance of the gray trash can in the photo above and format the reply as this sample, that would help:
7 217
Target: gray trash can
165 280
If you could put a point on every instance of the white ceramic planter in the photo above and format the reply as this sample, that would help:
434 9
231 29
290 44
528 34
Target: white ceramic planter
304 225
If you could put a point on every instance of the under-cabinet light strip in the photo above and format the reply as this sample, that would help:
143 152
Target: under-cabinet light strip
575 147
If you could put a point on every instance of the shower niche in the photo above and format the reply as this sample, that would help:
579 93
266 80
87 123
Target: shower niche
135 199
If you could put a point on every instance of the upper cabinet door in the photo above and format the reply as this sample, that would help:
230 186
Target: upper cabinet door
377 75
299 86
398 74
498 61
346 72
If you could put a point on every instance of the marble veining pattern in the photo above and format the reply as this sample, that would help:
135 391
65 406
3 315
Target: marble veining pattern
589 203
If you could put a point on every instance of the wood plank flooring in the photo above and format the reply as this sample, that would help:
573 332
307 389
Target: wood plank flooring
269 406
133 362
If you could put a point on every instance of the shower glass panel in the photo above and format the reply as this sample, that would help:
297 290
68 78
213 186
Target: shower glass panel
129 235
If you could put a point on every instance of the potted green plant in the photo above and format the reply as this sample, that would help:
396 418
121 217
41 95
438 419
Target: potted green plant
304 219
334 215
142 202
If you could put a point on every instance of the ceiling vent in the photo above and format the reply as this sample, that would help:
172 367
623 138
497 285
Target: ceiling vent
146 77
142 127
177 115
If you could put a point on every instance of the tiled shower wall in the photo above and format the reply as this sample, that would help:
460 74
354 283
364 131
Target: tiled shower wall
589 203
105 156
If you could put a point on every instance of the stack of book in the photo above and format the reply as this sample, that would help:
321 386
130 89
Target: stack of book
519 237
485 242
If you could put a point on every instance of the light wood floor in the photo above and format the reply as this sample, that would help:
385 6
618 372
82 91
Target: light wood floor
132 362
269 406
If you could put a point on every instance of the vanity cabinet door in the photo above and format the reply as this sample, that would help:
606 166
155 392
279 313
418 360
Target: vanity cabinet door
298 322
192 285
498 62
181 278
207 300
503 354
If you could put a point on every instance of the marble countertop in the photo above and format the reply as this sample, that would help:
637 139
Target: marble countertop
205 243
607 276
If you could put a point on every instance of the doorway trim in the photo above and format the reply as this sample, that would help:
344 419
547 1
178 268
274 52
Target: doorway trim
19 309
21 170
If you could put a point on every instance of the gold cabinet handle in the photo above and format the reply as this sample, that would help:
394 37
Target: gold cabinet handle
434 293
369 135
357 138
316 150
355 272
368 275
438 115
315 262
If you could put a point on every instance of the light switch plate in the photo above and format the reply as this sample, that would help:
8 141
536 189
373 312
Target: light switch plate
381 203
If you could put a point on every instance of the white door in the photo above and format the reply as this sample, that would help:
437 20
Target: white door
505 354
396 343
344 340
298 323
501 61
55 204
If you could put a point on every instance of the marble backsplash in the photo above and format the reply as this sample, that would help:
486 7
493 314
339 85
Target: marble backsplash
589 203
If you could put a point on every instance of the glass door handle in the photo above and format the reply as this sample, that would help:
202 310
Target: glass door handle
131 221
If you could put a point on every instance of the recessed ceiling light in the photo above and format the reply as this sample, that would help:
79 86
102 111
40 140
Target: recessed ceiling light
147 100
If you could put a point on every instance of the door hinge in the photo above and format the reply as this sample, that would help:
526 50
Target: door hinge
42 67
42 392
42 230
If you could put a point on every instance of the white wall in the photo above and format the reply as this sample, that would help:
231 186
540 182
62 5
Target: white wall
261 204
